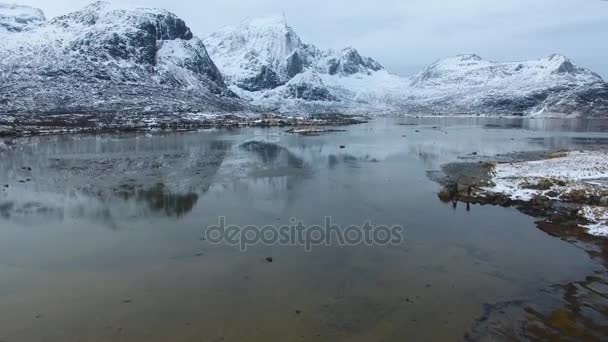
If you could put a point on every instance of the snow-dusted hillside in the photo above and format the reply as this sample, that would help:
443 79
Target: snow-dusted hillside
263 60
266 62
263 53
15 18
107 59
549 86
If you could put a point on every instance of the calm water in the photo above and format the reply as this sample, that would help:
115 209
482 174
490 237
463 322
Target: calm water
102 239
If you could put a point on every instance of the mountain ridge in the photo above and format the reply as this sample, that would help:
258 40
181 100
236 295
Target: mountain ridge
265 53
109 59
344 81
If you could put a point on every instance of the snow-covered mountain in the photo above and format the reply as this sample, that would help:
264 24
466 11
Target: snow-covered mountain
265 62
548 86
264 53
106 59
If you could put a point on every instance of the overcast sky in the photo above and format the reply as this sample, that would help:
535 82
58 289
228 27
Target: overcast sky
406 35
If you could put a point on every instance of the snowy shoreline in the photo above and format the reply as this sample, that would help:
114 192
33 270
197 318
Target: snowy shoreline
13 126
565 188
579 177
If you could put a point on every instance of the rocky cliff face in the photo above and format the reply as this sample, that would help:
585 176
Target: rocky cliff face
106 59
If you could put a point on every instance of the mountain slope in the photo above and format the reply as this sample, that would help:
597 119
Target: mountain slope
548 86
265 56
106 59
265 62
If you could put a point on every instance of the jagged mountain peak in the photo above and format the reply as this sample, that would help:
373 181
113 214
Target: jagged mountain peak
260 30
470 56
263 41
460 61
560 64
16 18
273 21
118 17
351 62
264 53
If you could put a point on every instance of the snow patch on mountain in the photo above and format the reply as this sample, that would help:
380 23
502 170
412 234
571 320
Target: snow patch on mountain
16 18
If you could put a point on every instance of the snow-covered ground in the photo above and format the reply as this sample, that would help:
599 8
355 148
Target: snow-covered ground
598 216
578 170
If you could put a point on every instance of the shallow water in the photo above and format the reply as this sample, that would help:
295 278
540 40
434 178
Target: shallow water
101 236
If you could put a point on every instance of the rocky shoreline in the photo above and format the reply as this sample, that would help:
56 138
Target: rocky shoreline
12 125
567 191
564 188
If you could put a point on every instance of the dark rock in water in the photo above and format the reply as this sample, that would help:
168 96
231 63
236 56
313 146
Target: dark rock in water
342 147
269 259
6 185
298 312
446 194
474 153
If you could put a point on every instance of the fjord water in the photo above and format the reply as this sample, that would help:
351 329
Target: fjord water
101 236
